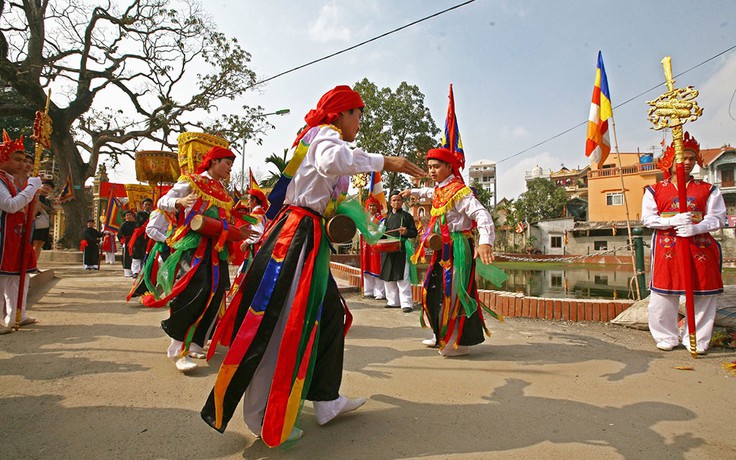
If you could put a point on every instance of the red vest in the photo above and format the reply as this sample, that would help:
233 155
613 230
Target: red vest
11 237
666 274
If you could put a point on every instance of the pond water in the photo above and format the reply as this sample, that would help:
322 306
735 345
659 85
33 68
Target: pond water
569 281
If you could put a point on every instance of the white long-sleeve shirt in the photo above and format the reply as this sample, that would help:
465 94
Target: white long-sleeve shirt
158 225
461 216
714 216
328 159
12 204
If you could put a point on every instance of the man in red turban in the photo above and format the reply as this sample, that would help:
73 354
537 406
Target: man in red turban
288 295
14 201
450 299
370 260
660 210
195 277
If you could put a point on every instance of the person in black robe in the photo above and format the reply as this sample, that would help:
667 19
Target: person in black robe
124 234
91 247
394 266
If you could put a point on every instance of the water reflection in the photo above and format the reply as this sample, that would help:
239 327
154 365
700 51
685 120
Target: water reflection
608 282
573 283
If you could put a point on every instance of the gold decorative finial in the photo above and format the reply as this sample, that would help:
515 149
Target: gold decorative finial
360 180
674 108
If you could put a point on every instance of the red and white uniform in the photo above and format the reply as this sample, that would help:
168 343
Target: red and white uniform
13 208
109 247
370 263
706 204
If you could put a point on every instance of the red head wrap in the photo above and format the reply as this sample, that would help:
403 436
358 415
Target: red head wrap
339 99
668 157
214 153
261 197
9 147
447 156
373 200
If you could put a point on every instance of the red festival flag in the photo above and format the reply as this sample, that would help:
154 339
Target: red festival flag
451 137
253 182
67 191
113 217
598 144
519 227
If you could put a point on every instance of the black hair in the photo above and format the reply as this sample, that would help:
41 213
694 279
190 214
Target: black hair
50 183
90 220
260 203
147 199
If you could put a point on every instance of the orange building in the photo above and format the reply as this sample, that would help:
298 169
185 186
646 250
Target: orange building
606 195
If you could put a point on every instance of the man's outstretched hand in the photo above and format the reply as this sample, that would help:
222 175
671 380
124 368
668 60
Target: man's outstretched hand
402 165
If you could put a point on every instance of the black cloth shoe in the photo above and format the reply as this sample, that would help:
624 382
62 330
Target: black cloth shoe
392 306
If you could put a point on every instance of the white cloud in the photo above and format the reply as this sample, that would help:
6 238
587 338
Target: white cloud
329 25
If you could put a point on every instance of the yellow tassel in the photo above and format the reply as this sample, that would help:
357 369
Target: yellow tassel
211 201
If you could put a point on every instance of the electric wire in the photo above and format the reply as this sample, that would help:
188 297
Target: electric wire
345 50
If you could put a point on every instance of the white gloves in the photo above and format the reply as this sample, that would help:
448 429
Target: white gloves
35 183
686 230
682 218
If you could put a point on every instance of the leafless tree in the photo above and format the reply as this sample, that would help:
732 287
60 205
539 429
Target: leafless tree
122 74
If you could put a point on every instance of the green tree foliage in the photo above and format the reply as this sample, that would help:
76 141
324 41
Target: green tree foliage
397 123
123 73
280 163
542 200
485 196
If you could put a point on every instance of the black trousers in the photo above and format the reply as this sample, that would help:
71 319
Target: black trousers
473 328
327 375
189 305
127 260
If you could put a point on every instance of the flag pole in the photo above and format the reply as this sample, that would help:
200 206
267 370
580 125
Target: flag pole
626 207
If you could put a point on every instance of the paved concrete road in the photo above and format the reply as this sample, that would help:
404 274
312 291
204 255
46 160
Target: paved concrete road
91 380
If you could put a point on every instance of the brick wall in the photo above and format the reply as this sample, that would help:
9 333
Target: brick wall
518 305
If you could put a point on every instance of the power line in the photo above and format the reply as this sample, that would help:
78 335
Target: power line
345 50
659 85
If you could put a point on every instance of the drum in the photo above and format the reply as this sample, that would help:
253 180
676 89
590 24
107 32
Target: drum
434 242
387 246
340 229
211 228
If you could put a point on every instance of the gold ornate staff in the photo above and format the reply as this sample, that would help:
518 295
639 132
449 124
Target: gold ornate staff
41 133
672 110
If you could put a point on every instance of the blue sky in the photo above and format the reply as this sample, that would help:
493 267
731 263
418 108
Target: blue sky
522 71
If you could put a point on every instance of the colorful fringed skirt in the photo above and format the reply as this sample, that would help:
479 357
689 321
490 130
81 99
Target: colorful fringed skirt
272 327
